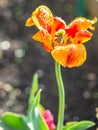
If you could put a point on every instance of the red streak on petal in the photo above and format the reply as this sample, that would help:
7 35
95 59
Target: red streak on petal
72 30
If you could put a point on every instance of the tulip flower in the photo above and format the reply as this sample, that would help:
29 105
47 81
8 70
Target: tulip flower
64 42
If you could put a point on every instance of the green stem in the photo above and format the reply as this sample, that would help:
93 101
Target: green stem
61 96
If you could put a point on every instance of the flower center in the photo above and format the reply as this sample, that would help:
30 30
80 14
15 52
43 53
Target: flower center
59 37
62 38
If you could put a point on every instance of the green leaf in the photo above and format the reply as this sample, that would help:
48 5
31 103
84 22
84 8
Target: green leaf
35 119
4 126
14 121
69 124
34 88
82 125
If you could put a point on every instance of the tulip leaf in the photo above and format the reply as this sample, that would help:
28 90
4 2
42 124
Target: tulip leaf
35 119
69 124
13 121
82 125
34 88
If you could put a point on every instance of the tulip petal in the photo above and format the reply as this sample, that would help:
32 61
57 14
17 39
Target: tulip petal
59 24
82 23
44 37
43 17
76 55
60 54
79 24
29 22
82 36
38 36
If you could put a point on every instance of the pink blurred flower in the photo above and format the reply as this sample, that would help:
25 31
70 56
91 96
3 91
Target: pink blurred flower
47 115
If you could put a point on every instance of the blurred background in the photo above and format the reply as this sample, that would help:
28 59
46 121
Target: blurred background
21 57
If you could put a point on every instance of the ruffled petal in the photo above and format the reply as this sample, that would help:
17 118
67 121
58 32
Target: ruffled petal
82 23
78 24
86 23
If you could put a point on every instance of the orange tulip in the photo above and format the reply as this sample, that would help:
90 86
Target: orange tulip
64 42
